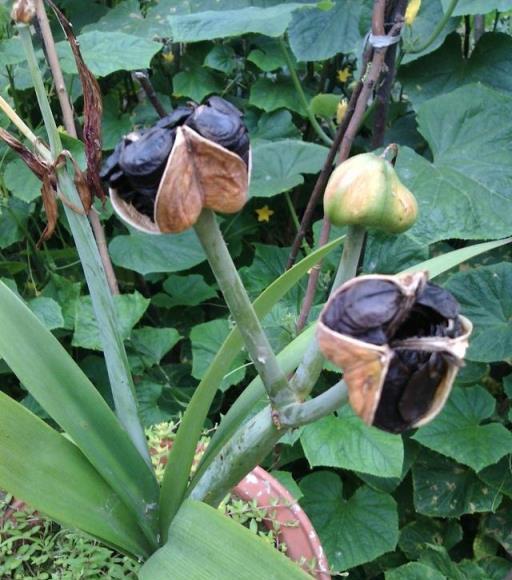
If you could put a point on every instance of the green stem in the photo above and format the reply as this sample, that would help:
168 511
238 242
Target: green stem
42 99
246 449
437 30
301 414
241 309
296 222
123 389
174 485
312 364
254 441
302 96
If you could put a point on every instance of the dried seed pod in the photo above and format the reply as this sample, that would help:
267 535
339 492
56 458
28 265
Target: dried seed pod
400 341
23 11
197 157
365 191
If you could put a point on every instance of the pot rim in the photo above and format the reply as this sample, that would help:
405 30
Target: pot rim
302 541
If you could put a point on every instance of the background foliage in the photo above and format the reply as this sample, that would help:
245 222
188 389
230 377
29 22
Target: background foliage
433 504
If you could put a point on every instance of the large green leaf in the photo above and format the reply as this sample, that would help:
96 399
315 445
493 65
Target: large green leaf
43 468
414 571
20 181
108 53
279 166
499 476
206 545
467 191
187 290
477 6
114 123
389 484
317 34
275 93
207 339
499 526
66 293
13 225
221 57
445 69
11 52
147 254
445 489
268 263
274 126
416 535
129 309
457 431
182 455
346 442
388 254
269 55
271 21
196 83
152 344
416 36
458 434
352 531
125 17
484 296
48 311
62 389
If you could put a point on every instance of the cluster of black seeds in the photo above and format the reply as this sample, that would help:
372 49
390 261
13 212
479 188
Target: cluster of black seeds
136 166
378 313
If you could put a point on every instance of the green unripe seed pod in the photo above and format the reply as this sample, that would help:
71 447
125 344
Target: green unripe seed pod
365 191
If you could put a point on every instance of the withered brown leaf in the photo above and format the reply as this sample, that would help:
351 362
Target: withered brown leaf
93 108
47 174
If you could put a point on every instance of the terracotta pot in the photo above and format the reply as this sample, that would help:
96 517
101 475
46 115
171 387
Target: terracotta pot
301 541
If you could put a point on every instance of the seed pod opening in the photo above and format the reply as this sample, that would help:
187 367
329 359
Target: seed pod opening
400 341
197 157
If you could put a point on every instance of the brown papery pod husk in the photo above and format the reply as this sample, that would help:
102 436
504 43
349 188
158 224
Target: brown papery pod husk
366 365
199 174
457 348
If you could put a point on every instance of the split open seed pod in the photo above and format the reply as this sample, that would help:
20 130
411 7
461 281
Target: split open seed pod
400 341
198 157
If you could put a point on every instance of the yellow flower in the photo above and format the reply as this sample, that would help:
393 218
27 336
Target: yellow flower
412 11
264 213
341 110
344 74
168 57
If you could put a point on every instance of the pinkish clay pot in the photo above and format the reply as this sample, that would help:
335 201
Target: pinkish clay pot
302 541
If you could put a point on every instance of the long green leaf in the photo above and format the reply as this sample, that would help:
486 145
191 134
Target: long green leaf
291 356
205 545
121 382
63 390
440 264
43 468
184 448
